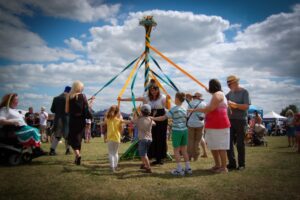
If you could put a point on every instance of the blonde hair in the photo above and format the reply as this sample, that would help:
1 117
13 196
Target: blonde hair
289 112
113 112
77 87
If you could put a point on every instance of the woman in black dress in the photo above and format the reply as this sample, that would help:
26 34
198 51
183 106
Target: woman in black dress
76 106
157 101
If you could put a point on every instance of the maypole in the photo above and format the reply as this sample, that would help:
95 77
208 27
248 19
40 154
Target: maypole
148 22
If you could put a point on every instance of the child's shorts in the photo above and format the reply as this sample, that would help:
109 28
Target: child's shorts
179 138
143 147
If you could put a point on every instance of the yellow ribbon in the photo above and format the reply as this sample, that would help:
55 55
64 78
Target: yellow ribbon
129 78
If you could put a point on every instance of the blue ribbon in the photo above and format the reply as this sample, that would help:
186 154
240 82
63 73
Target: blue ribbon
111 80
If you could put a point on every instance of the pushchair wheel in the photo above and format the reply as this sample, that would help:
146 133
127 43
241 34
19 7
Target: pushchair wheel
14 159
27 158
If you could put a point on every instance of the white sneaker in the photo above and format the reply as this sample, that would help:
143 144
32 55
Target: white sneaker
175 172
188 171
113 169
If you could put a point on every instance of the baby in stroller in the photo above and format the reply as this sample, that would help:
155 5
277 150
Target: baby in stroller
257 131
258 138
125 136
18 141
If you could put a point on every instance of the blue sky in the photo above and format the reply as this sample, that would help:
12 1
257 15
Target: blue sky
46 45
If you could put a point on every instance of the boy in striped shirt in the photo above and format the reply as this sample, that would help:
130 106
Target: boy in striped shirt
179 134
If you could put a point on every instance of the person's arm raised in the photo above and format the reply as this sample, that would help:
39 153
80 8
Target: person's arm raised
160 118
67 107
130 99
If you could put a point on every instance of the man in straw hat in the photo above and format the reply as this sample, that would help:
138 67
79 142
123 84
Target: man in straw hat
238 101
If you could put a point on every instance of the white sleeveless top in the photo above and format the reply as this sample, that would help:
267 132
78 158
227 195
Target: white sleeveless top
157 104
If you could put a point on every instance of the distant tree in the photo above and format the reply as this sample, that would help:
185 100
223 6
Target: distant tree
294 108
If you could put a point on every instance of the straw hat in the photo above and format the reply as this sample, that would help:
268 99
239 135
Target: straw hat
232 79
198 95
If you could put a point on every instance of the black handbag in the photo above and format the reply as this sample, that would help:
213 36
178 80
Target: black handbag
200 118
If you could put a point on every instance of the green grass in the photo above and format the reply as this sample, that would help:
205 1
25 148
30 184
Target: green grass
272 172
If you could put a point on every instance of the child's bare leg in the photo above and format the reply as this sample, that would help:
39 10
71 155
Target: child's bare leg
185 157
145 161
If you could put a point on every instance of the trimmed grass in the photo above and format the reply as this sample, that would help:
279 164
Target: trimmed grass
272 172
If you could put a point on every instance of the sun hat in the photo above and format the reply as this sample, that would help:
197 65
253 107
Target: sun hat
232 79
43 108
146 108
198 94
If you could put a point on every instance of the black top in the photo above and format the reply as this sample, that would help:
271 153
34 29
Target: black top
58 105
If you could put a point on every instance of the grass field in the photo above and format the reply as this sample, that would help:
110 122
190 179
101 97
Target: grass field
271 172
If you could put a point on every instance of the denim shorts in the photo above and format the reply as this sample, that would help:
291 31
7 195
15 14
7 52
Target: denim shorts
143 147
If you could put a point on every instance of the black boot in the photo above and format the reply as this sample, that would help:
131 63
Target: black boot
52 152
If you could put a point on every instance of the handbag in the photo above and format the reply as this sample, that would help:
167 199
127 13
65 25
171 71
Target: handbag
200 118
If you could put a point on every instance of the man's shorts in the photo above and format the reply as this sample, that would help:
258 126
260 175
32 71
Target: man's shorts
179 138
143 147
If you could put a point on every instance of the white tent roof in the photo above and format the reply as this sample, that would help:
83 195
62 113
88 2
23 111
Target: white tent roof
273 115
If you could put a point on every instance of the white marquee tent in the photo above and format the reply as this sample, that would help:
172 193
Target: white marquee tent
273 116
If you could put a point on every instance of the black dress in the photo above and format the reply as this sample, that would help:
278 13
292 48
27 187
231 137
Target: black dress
158 147
77 120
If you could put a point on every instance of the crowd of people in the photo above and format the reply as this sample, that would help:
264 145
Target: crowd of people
218 125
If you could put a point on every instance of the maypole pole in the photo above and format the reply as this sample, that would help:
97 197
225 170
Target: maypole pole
148 22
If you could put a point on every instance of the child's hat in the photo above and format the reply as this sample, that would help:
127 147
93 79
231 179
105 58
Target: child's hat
146 108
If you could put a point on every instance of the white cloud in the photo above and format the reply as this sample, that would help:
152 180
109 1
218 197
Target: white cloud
176 32
270 46
9 19
264 56
75 44
20 44
79 10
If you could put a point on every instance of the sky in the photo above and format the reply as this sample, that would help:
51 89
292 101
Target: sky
46 45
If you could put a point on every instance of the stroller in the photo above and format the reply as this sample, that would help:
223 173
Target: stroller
125 137
11 151
258 138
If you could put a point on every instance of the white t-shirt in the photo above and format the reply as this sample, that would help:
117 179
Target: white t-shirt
157 104
12 115
43 118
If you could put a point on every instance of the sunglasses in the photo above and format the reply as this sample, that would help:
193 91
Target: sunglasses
230 83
